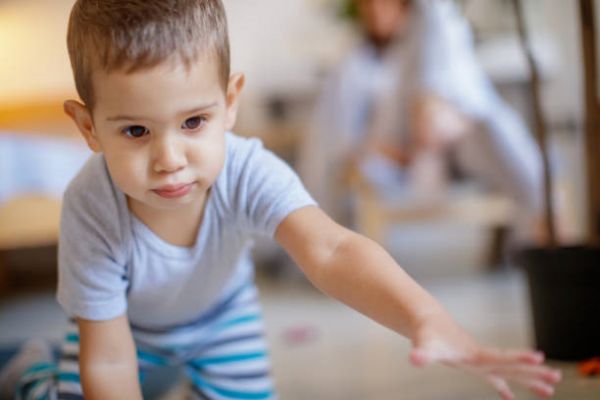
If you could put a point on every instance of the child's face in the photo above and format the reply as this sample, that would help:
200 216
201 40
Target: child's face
161 131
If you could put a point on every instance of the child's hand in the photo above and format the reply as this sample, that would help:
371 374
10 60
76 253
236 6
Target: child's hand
439 340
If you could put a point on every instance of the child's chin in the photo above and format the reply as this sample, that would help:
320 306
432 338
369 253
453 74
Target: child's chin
171 204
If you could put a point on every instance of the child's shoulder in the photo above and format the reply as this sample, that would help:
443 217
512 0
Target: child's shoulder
92 171
238 145
92 203
91 182
244 157
241 150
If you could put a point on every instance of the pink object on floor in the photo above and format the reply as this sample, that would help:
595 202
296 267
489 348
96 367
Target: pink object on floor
300 334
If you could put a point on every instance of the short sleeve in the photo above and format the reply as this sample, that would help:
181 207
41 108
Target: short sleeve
92 279
268 190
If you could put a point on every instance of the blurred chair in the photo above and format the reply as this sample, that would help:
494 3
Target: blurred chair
459 204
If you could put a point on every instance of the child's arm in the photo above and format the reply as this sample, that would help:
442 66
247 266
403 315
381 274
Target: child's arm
358 272
107 360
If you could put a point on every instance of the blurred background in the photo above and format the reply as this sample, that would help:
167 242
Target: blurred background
397 176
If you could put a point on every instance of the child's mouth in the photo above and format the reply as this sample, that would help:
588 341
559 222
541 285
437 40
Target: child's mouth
174 191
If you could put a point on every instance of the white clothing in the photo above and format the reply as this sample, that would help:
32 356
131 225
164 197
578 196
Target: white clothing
435 55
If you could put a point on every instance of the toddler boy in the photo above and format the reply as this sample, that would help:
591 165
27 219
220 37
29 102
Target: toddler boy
154 263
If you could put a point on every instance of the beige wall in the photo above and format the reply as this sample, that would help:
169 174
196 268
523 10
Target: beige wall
279 44
275 42
33 56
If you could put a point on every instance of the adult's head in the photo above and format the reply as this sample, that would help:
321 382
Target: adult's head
383 20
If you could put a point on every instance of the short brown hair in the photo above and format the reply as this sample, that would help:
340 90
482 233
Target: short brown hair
133 35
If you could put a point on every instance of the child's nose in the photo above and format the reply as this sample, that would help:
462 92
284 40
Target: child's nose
169 155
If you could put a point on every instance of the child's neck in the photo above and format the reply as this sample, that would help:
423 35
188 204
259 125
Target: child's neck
178 227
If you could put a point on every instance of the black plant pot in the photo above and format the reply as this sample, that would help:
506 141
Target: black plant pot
564 287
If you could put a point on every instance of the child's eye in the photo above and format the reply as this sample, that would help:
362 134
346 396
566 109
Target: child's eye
193 123
136 131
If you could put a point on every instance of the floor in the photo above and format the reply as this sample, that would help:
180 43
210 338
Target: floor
354 358
323 350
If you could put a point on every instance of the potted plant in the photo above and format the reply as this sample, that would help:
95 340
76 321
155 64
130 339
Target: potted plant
564 281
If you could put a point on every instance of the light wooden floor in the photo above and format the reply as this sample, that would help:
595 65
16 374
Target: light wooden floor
322 350
350 357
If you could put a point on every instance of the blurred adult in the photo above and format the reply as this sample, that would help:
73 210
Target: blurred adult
410 99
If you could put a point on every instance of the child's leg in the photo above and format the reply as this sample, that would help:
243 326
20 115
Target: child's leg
49 380
45 379
62 381
33 365
67 379
232 362
69 384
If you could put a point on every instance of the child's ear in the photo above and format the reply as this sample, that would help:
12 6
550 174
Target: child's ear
83 119
234 89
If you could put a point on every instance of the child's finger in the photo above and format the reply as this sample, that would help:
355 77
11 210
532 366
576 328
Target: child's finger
524 371
501 386
538 387
538 379
419 358
495 356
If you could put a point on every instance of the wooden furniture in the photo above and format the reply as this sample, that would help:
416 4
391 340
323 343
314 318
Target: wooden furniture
45 118
27 222
375 215
592 117
31 221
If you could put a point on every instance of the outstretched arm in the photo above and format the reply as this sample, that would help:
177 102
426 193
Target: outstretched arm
361 274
